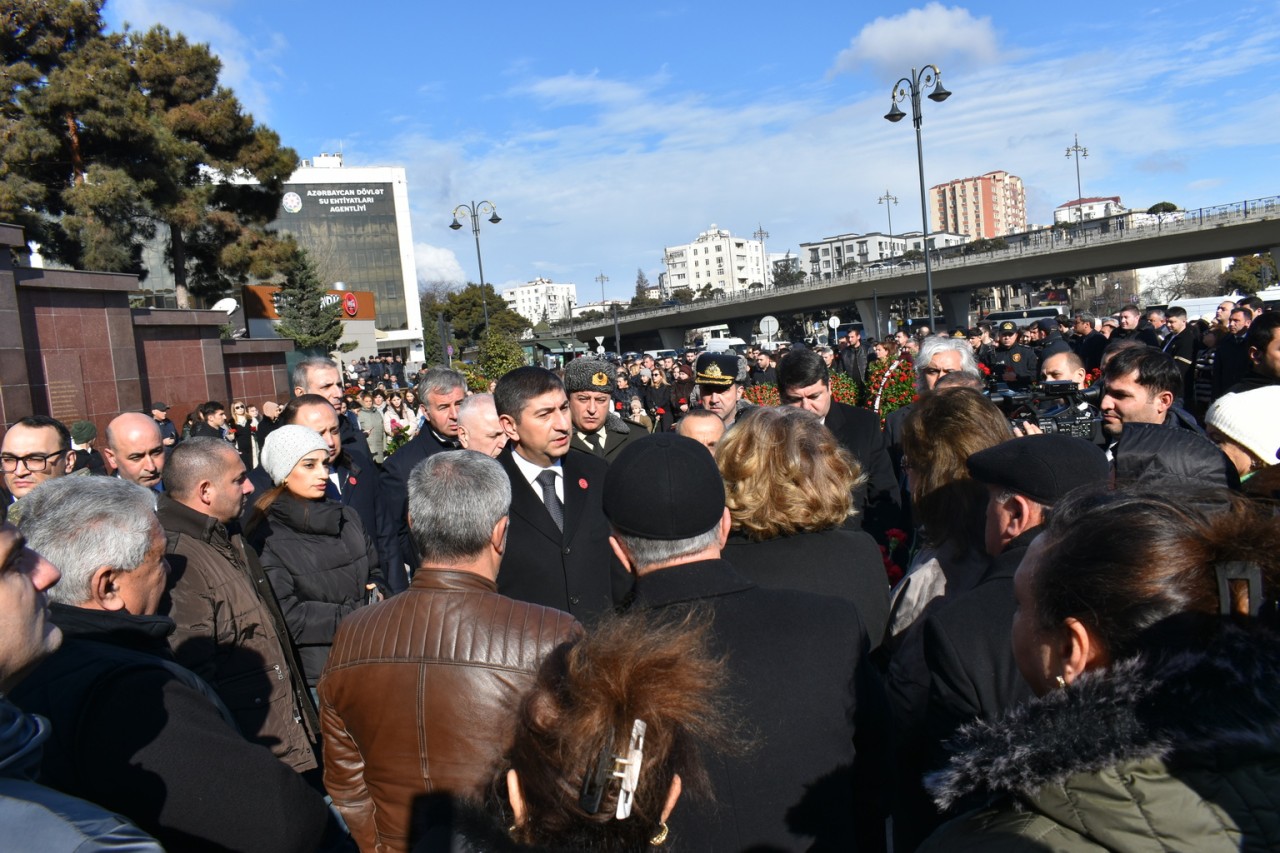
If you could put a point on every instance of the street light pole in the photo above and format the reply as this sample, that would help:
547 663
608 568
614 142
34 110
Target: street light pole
1078 152
602 278
928 77
888 201
763 235
475 209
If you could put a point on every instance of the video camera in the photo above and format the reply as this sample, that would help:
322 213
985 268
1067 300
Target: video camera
1055 407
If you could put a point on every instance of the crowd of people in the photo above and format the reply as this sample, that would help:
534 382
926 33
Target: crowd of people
618 606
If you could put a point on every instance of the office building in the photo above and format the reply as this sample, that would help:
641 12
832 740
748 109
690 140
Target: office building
990 205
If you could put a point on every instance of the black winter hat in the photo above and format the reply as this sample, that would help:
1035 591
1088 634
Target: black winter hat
1042 467
664 487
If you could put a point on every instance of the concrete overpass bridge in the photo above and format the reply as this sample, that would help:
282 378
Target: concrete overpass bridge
1134 242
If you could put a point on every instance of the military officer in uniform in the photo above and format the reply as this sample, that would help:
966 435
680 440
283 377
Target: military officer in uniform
1010 361
591 383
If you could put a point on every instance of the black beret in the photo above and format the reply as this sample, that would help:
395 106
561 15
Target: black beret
975 332
590 374
1042 467
664 487
716 369
1047 324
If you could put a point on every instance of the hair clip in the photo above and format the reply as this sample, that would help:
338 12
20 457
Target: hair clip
1238 571
628 770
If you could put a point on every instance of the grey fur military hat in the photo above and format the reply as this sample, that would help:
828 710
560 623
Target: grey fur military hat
590 374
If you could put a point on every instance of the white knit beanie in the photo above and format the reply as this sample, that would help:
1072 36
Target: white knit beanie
1251 419
284 446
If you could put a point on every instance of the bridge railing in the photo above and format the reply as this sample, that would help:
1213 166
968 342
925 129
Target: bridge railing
1134 225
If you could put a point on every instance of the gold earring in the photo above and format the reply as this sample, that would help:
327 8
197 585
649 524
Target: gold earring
661 837
1062 682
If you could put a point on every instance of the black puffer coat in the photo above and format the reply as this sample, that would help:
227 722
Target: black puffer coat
319 559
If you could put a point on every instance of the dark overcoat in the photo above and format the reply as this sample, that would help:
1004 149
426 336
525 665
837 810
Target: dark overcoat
800 680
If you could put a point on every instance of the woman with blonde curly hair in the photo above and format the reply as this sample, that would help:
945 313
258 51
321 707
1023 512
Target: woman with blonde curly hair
789 489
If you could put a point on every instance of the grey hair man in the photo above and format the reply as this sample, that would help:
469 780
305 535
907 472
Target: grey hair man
478 426
321 376
402 718
126 720
940 356
703 426
230 630
36 817
806 729
440 393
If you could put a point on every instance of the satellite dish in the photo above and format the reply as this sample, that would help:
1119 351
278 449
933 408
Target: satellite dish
227 306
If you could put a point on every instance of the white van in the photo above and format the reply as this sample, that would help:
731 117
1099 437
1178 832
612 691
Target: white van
737 345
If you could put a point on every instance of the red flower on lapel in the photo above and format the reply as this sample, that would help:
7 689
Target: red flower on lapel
582 483
351 480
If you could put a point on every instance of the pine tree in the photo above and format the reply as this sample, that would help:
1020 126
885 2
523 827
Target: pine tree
111 140
305 318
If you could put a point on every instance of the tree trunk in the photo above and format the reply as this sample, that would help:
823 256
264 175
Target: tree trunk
178 254
77 159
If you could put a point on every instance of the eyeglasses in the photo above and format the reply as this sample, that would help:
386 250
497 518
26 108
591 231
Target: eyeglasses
33 462
237 408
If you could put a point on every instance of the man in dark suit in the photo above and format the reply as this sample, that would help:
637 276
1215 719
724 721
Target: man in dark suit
1089 342
1182 345
590 384
798 690
853 358
441 392
558 541
320 375
968 645
805 383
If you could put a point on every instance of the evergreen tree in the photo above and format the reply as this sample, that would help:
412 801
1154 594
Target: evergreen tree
305 318
642 299
500 353
111 140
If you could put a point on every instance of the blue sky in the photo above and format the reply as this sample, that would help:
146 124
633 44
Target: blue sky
604 132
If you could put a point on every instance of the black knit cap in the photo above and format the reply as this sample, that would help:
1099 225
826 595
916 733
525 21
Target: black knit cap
1042 467
664 487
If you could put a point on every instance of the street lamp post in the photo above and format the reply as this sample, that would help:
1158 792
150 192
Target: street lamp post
763 235
602 278
928 77
1077 151
475 210
888 201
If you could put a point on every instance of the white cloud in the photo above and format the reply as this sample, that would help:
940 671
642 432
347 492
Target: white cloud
935 33
437 264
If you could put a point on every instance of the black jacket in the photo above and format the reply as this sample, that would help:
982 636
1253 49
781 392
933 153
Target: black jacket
1090 348
798 671
574 571
140 735
968 651
393 527
844 563
318 559
879 500
853 363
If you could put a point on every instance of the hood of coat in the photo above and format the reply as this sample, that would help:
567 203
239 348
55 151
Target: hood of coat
1216 706
20 738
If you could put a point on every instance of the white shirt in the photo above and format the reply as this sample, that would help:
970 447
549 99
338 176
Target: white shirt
531 472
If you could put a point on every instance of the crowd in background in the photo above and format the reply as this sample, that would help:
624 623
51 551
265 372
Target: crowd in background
620 606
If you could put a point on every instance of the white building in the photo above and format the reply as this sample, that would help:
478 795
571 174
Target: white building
846 252
542 300
718 260
1088 208
354 224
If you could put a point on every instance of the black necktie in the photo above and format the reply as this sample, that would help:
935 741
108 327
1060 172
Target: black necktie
593 441
547 482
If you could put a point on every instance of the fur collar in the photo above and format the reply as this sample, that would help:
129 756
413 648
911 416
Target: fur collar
1215 704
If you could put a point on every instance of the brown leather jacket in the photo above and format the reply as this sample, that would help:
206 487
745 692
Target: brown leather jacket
420 694
230 633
